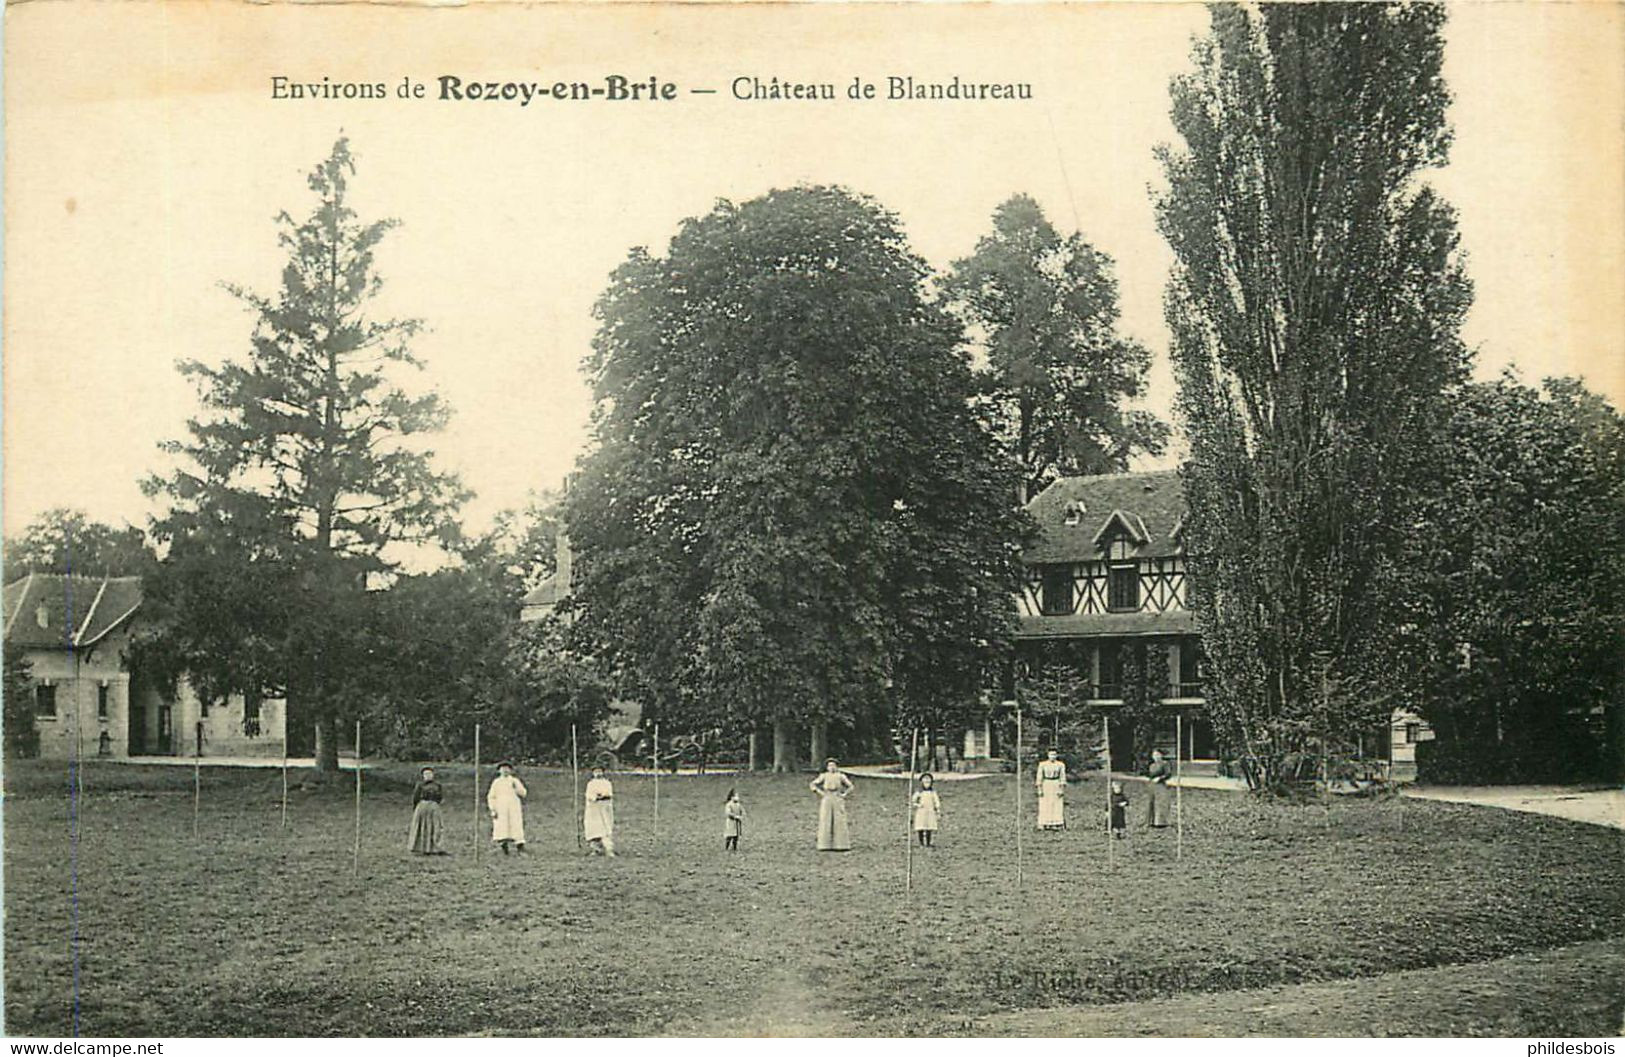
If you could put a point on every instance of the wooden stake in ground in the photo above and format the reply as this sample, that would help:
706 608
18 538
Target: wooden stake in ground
1106 740
908 817
1019 864
355 865
1179 787
197 779
657 779
284 768
479 845
575 783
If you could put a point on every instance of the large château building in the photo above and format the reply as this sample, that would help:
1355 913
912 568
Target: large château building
1106 582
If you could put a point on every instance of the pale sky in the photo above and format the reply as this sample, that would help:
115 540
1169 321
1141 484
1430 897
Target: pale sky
146 158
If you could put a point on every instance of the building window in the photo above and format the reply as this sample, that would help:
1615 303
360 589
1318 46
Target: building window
101 701
1122 578
251 716
1413 733
1057 590
45 701
1190 668
1110 686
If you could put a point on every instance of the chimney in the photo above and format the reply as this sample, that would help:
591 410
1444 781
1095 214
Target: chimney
561 559
561 549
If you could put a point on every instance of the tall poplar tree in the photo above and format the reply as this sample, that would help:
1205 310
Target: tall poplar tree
304 470
1315 303
790 515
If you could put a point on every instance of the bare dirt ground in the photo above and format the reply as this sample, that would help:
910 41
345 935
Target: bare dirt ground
1600 807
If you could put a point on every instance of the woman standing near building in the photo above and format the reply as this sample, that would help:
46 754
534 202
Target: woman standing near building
506 802
1159 772
598 826
832 788
425 834
1050 781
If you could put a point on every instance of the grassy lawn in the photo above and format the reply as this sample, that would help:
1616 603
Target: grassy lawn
256 931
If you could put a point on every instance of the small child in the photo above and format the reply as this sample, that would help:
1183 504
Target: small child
927 811
1119 803
733 821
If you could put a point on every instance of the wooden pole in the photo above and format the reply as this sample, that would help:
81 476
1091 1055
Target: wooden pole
479 845
355 866
197 778
284 766
1019 864
575 782
1179 788
908 817
1106 739
657 779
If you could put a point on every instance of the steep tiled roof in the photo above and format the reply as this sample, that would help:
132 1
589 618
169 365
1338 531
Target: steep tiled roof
1150 499
50 611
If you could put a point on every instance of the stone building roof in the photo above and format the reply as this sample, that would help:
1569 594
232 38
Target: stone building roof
52 611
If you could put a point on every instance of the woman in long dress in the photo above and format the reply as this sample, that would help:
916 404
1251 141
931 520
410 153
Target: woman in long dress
832 788
1159 772
425 834
1050 782
927 811
506 802
598 818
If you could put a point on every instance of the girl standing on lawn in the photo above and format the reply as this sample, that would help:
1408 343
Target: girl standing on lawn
1119 817
733 821
1051 784
424 836
506 802
598 818
927 811
832 788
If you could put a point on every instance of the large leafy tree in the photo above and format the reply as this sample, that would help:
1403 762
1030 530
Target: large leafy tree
1058 374
790 514
1315 303
304 472
1514 589
67 541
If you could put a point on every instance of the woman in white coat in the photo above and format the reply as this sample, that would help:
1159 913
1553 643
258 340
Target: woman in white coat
598 818
506 802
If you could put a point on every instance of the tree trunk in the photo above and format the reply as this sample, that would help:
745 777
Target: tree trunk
327 747
784 750
819 743
755 754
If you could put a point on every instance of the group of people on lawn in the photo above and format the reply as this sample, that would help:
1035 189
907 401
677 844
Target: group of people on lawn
506 796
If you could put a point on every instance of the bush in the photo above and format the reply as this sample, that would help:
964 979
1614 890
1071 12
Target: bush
1551 760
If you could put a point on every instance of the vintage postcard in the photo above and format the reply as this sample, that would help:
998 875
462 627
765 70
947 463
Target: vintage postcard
813 519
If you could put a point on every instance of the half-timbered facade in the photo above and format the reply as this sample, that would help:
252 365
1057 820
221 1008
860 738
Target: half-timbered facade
1107 576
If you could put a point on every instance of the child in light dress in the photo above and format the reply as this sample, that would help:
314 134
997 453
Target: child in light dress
927 811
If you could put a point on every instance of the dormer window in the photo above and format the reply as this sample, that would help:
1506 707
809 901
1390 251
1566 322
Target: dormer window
1072 514
1122 577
